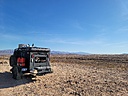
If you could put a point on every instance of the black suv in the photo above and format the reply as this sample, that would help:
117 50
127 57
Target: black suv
26 59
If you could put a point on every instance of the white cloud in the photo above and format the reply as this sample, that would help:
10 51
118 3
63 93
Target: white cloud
78 26
9 36
117 45
45 33
124 9
123 30
75 42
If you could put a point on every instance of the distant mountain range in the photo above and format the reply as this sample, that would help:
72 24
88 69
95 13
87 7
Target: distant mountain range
10 51
62 52
6 52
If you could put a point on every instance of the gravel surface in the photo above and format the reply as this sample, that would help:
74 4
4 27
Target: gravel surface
67 80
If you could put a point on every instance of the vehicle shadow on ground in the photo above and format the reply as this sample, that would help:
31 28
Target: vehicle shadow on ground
7 81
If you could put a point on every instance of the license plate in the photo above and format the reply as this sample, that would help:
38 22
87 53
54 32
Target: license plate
24 69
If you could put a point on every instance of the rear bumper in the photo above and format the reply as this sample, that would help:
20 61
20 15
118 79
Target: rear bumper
41 70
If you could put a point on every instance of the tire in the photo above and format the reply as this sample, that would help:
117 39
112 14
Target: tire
12 60
16 71
51 71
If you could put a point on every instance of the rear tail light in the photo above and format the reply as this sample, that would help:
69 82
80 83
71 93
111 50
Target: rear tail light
21 61
22 65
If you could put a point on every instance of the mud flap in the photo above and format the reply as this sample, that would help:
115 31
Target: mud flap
17 73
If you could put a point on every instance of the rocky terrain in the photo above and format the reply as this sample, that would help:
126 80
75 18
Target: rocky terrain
74 75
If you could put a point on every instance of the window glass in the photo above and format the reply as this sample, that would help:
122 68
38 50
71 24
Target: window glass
40 59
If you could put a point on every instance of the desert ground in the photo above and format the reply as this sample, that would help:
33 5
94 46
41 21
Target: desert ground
73 75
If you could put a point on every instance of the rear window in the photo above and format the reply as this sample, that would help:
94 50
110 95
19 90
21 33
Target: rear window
40 59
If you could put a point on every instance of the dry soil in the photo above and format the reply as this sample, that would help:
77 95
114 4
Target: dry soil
69 79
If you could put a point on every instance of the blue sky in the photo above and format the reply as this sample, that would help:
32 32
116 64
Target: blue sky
93 26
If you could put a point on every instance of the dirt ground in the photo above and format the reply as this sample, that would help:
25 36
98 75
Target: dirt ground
68 79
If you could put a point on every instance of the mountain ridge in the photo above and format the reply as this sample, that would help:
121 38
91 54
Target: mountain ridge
10 52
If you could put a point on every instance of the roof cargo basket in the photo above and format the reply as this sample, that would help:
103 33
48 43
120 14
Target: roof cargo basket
22 45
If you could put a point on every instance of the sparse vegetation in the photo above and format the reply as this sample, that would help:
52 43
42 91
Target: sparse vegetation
74 75
4 59
119 62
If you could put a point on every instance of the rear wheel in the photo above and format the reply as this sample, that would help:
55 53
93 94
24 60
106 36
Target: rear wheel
12 60
17 73
50 70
